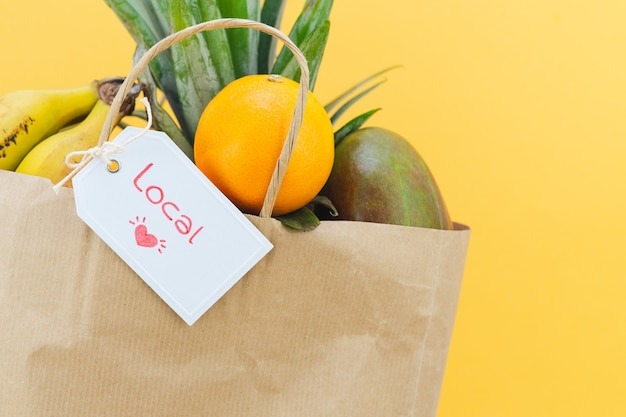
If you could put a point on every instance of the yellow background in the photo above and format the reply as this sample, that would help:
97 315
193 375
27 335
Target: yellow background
519 108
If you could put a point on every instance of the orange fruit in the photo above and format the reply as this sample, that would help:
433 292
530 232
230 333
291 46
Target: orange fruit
240 136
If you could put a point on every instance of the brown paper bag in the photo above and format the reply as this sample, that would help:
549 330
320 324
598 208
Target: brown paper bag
351 319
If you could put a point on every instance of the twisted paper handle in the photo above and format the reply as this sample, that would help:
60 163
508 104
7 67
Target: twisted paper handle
296 121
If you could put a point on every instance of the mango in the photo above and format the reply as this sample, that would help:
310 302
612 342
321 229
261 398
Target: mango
379 177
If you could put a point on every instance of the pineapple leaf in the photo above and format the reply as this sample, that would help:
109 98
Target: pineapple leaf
216 41
142 27
313 49
136 19
353 125
271 14
196 76
243 42
158 19
344 107
161 118
330 106
314 14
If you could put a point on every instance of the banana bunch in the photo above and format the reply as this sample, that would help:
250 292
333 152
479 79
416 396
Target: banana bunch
29 116
38 128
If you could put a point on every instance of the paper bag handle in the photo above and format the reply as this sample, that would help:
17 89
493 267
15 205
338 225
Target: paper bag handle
226 23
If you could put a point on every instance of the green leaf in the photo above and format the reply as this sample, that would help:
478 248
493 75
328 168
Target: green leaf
161 118
146 28
196 76
157 18
324 202
313 49
313 16
303 220
271 14
343 96
147 23
190 72
244 43
341 110
166 124
353 125
135 18
216 40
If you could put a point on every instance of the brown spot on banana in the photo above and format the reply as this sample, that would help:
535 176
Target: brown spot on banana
11 138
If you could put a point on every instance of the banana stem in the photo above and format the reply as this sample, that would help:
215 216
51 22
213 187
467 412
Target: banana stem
108 89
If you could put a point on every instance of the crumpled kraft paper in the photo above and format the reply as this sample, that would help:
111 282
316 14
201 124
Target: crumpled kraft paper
352 319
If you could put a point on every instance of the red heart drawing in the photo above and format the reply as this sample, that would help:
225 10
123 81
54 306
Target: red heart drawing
143 238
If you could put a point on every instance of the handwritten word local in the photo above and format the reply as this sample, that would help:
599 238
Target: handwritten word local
171 211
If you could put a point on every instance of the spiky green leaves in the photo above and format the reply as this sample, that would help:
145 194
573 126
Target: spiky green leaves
194 70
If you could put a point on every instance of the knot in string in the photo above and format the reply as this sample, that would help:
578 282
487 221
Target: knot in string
101 152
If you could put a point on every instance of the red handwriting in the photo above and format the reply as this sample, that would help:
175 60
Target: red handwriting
172 212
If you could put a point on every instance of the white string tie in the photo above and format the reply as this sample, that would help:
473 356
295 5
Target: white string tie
101 152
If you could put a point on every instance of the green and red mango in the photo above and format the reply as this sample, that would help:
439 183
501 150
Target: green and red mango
378 176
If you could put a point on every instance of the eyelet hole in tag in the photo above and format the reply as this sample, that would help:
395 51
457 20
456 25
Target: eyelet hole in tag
113 166
168 222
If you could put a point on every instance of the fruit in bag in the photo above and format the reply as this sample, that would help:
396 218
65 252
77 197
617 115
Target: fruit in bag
378 176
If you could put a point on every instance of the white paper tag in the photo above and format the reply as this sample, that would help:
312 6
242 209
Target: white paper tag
168 222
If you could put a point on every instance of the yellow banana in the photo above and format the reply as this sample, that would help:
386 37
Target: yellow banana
29 116
47 159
